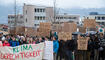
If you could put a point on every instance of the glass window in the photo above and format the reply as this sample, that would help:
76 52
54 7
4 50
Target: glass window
35 10
38 18
103 18
26 19
98 18
38 10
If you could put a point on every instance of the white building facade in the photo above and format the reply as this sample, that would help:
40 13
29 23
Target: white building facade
100 18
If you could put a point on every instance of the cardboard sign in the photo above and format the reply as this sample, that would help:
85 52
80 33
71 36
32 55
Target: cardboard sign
22 52
69 27
102 42
65 36
48 50
82 43
44 29
89 23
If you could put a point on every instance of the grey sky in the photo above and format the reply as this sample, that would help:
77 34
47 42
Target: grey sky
60 3
82 7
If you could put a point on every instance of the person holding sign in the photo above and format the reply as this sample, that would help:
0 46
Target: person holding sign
55 47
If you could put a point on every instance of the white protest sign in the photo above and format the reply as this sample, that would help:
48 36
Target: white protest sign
48 50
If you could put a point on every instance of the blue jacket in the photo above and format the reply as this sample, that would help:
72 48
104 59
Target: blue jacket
14 43
55 46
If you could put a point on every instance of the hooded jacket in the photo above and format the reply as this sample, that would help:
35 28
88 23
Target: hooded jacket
55 46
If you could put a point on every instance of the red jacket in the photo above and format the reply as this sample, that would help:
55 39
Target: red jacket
6 44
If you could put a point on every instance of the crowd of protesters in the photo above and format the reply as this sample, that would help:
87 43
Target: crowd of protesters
66 50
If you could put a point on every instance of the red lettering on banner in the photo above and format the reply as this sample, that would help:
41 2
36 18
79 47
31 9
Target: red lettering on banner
22 54
16 56
10 56
34 55
39 52
31 54
26 55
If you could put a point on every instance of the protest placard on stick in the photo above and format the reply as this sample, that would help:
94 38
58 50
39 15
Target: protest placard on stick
65 36
82 43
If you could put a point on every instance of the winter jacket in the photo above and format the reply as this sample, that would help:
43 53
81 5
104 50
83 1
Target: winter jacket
14 43
6 44
55 46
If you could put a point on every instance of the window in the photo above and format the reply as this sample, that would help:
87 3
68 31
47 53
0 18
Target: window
43 18
8 17
26 19
35 10
98 18
103 18
43 10
21 16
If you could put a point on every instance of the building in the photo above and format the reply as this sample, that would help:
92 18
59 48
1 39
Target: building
33 15
67 18
100 18
19 20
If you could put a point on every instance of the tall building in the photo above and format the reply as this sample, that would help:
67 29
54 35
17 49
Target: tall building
19 20
100 18
33 15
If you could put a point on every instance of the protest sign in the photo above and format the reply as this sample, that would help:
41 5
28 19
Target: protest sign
44 29
82 43
69 27
65 36
89 23
48 50
22 52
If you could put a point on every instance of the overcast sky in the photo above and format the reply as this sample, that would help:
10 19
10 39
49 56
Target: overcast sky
60 3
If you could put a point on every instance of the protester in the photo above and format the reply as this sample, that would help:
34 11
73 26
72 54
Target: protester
22 41
30 41
46 38
13 42
55 47
2 38
6 43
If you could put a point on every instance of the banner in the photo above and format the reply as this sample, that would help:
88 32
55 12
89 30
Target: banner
22 52
48 50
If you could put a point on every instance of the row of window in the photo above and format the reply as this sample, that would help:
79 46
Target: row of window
66 17
100 18
39 10
12 17
39 17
